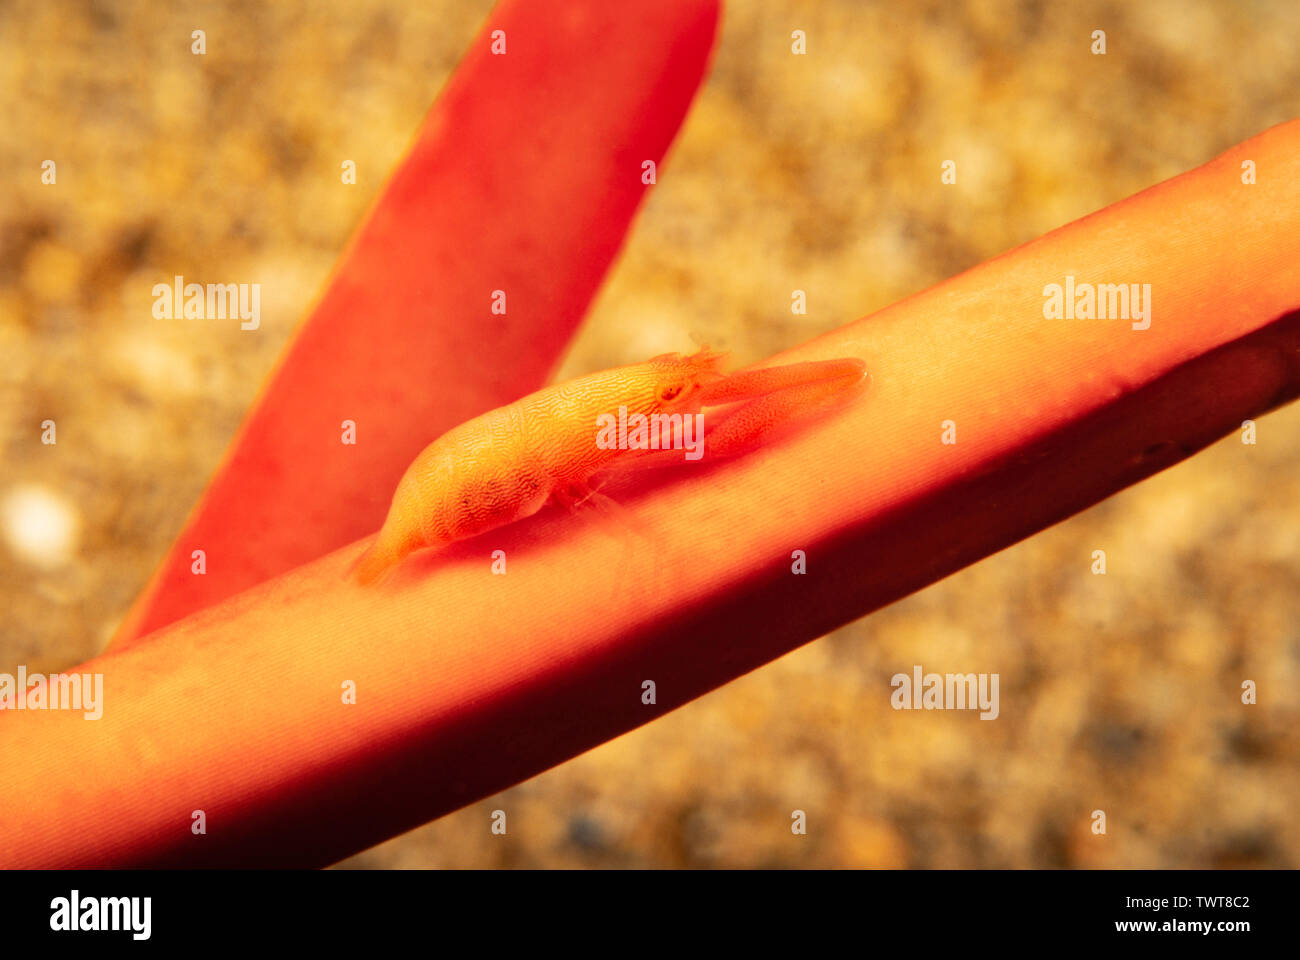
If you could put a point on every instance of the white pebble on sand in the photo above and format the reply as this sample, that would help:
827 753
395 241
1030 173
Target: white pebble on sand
40 527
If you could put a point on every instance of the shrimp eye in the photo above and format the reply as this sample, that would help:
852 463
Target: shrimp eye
669 393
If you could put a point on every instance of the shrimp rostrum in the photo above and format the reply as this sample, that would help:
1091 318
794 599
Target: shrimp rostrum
508 463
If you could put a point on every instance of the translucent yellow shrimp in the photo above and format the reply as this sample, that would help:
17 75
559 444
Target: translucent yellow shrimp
506 464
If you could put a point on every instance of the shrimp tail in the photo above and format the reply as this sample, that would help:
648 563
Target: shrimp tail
384 553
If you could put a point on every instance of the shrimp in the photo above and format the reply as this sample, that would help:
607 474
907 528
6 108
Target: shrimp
506 464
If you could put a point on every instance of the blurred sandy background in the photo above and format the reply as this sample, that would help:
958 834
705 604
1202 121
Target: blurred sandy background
818 173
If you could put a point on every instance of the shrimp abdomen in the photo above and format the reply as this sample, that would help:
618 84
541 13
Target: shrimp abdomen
475 478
